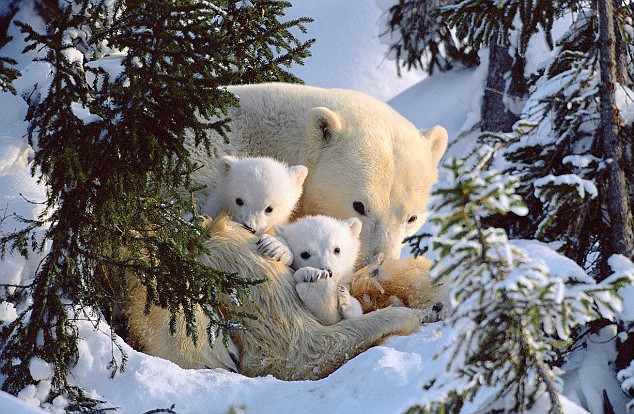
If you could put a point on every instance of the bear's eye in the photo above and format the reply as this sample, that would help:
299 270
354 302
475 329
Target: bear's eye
359 207
239 201
412 219
337 250
305 255
269 209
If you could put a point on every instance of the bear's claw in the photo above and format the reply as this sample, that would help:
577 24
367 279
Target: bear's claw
311 274
269 246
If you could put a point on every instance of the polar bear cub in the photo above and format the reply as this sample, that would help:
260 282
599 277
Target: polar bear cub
257 192
323 251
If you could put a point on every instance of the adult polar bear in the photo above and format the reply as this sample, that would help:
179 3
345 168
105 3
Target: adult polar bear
364 159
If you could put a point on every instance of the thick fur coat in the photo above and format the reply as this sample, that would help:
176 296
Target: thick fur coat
364 159
286 340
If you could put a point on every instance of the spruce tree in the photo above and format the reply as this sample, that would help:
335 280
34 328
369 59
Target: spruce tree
563 160
442 34
420 39
570 171
7 73
109 146
511 314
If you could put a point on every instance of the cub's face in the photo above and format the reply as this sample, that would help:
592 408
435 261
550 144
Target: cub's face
260 193
323 243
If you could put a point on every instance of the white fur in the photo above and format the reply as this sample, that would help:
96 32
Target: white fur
258 193
356 148
284 340
323 251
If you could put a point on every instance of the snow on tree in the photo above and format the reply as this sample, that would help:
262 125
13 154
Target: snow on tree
512 314
419 39
562 160
128 80
571 147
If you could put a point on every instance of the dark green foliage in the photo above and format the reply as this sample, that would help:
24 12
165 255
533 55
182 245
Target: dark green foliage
481 22
7 73
565 142
452 404
261 45
424 40
111 153
511 314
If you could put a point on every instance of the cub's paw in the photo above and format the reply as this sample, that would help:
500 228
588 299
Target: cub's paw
311 274
271 247
349 306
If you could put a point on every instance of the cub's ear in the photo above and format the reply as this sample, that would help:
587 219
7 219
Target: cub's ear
437 137
224 163
323 124
355 226
299 173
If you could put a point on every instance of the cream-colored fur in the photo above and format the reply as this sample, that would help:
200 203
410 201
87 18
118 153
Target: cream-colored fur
323 251
403 282
285 340
364 159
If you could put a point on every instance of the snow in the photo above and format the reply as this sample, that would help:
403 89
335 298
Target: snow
40 370
622 266
386 378
582 186
347 52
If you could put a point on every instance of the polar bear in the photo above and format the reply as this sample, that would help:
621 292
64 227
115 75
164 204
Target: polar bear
284 340
257 192
364 160
322 251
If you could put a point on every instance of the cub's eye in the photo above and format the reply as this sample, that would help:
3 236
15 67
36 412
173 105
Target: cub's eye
269 209
239 201
337 250
412 219
359 207
305 255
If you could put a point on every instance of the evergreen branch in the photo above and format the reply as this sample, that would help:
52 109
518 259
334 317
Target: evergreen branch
113 177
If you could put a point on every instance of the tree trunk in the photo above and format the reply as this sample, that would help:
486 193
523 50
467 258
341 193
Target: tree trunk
619 209
505 76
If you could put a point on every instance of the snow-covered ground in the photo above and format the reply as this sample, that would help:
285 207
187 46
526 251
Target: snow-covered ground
385 379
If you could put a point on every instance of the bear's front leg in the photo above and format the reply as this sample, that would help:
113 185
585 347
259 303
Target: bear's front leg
275 248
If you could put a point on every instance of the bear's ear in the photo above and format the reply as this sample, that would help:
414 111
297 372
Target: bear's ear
299 173
225 163
437 137
355 226
323 123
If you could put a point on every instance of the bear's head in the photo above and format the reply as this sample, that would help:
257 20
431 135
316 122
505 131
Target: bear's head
324 243
259 192
373 164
